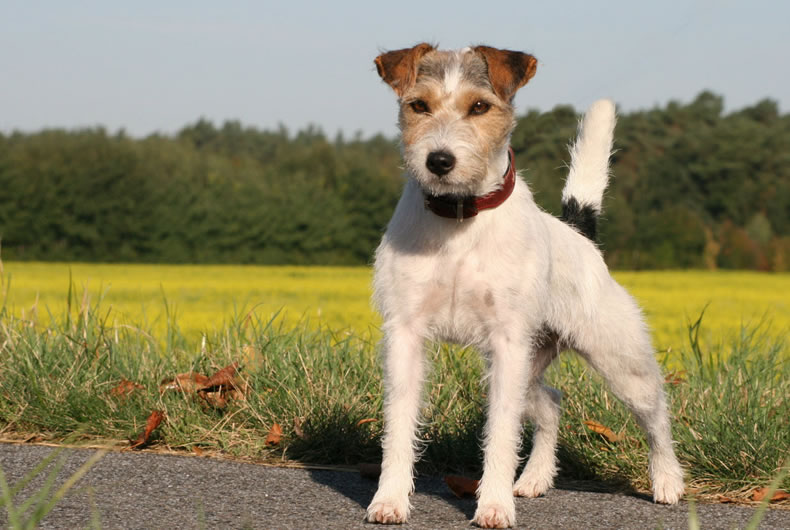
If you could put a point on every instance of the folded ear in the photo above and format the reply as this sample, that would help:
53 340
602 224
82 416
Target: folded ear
398 68
507 70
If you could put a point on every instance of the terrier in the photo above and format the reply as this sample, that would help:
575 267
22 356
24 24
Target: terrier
469 258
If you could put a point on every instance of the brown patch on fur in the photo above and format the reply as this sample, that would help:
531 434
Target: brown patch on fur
398 68
507 70
467 98
474 138
489 298
493 129
413 125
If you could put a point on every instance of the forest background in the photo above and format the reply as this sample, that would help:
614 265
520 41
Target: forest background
693 187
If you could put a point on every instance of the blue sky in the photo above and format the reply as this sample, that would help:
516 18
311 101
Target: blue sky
155 66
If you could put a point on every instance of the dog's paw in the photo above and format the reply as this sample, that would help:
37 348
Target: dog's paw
532 486
388 512
668 488
494 516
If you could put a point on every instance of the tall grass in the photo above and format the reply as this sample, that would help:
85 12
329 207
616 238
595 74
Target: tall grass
729 403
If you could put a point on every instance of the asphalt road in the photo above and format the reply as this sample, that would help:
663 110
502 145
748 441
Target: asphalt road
144 490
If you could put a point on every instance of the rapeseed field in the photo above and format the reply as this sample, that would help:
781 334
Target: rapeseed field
200 299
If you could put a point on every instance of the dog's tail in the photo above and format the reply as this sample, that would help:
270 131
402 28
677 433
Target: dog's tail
589 173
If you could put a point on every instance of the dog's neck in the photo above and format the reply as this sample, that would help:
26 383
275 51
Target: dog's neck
461 207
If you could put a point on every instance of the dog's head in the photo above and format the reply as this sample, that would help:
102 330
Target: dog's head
456 112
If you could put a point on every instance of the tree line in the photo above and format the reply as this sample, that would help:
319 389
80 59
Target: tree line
692 187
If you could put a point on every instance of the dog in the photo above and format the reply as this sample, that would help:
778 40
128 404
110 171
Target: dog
468 257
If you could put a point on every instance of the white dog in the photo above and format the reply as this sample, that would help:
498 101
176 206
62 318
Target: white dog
468 257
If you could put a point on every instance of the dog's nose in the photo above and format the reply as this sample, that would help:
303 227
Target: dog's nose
440 162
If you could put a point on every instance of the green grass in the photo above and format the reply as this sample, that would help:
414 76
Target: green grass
730 403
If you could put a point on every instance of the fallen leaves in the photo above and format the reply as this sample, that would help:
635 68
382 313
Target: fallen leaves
761 493
124 388
275 435
187 382
675 378
224 379
216 391
604 431
151 424
461 486
723 499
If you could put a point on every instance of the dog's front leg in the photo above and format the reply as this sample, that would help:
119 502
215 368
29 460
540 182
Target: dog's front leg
404 370
506 390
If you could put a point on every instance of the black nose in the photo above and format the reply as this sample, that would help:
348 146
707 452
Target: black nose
440 162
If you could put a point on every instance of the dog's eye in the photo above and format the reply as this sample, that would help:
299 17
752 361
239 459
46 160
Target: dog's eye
479 107
419 106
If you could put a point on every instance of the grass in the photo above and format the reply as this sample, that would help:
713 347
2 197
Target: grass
729 402
201 299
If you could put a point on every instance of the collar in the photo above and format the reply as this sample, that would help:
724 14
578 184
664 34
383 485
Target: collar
460 207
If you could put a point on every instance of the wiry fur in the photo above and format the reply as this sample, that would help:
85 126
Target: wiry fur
589 173
515 282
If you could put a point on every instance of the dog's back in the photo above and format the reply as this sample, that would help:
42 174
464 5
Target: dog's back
589 172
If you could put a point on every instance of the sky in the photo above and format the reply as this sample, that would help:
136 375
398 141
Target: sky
154 66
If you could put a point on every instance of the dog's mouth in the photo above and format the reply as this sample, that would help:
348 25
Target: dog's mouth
439 170
445 188
449 179
463 205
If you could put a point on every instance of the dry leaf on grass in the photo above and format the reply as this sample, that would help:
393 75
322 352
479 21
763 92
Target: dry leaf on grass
223 380
218 400
197 450
366 420
152 423
187 382
223 386
125 387
604 431
275 435
779 495
675 378
215 391
726 500
462 486
370 471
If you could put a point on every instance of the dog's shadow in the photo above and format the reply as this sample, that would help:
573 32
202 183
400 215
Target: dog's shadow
361 489
576 474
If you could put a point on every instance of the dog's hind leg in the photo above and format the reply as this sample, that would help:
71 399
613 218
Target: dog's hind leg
404 372
543 411
618 347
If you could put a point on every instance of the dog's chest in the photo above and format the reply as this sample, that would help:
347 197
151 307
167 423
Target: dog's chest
454 297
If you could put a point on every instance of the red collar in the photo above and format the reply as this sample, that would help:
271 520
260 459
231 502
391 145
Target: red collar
460 208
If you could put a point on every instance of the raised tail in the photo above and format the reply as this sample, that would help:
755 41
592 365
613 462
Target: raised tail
589 173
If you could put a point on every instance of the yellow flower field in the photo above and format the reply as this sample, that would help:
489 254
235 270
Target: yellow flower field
204 297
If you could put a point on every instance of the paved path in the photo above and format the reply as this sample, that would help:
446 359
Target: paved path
143 490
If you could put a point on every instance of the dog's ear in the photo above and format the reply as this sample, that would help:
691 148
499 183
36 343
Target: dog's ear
507 70
398 68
